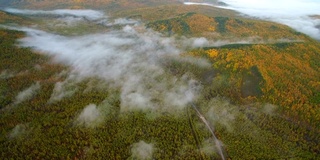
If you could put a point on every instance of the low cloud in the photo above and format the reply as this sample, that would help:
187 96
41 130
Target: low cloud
129 58
27 93
120 21
221 112
180 96
89 117
142 151
201 4
200 42
18 130
63 89
294 13
87 14
66 22
269 109
208 147
5 74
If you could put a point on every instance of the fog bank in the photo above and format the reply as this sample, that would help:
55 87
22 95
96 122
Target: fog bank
142 150
27 94
129 57
294 13
87 14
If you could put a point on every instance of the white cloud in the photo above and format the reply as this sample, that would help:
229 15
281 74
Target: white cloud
128 58
184 94
142 151
197 3
294 13
63 89
208 147
200 42
27 93
66 21
269 108
220 111
5 74
121 21
18 130
89 117
87 14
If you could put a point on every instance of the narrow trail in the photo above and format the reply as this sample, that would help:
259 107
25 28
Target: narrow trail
193 131
216 140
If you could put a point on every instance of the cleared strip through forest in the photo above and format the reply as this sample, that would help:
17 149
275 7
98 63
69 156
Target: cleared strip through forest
217 143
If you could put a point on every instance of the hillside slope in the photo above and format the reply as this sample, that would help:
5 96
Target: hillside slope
258 87
222 27
277 52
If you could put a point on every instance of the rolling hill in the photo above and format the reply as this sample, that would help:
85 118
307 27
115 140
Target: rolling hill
255 82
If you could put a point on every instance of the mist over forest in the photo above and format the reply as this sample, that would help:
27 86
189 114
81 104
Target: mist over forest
202 79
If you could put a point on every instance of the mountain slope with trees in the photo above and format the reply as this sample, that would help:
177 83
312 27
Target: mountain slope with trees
260 92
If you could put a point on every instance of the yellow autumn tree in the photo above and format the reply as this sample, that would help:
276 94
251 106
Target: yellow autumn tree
213 53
